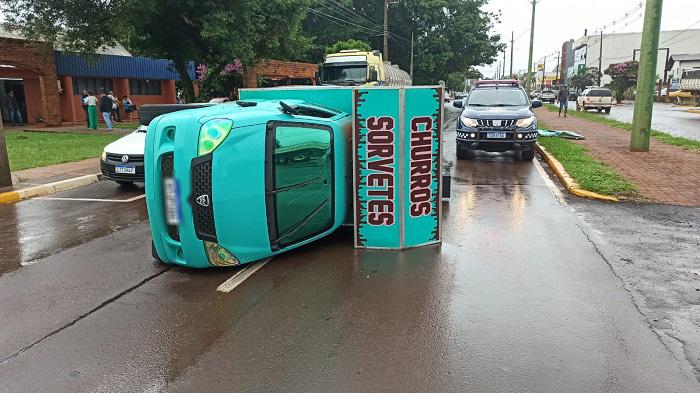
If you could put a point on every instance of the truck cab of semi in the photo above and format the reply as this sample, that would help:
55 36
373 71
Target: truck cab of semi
353 67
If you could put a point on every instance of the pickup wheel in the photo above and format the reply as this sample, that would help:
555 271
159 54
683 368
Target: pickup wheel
464 154
154 253
607 110
578 107
528 155
600 110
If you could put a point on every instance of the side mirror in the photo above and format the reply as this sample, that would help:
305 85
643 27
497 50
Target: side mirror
373 76
457 103
536 104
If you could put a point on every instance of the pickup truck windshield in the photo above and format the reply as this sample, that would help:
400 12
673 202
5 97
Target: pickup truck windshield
600 93
344 73
497 97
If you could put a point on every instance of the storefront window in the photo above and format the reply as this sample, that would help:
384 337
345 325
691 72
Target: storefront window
95 85
143 87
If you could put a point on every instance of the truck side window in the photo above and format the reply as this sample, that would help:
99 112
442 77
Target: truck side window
302 186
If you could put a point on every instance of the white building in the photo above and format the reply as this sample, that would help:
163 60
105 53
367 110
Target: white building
621 47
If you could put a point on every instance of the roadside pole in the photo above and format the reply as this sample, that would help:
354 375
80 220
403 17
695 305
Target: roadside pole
528 82
503 71
646 79
600 60
411 70
5 175
511 54
386 30
544 70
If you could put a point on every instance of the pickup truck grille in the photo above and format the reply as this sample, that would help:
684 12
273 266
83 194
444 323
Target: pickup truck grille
496 124
130 158
202 201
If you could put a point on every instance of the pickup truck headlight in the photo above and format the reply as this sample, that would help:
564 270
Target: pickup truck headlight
469 122
526 122
104 155
219 256
212 133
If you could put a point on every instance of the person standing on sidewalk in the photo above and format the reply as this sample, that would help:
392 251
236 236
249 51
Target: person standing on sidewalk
91 103
85 106
13 106
106 109
115 107
563 98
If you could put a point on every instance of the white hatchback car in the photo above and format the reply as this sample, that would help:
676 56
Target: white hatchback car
122 160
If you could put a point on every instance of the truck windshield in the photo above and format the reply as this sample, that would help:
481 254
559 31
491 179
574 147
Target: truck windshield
497 97
344 73
600 93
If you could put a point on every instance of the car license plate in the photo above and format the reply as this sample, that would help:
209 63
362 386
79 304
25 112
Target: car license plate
126 169
172 211
494 135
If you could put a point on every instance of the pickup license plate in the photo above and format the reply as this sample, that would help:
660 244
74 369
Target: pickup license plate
496 135
126 169
172 210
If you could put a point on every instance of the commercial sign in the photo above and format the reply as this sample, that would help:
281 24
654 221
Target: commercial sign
580 57
396 145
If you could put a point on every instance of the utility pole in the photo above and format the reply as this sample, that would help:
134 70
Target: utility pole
503 70
5 175
386 30
644 103
411 69
558 71
511 54
600 60
544 70
532 42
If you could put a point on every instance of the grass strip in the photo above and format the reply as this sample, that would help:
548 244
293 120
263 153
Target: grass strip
130 126
590 173
660 136
35 149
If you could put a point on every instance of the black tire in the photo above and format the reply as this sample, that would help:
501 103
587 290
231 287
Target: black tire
149 112
154 253
528 155
600 110
607 110
464 154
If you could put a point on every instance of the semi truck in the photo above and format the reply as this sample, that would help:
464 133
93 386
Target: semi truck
353 67
690 83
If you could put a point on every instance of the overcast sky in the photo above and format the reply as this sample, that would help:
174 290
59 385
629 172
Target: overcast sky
557 21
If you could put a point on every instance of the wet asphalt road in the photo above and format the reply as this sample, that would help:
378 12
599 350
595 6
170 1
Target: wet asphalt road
666 117
517 298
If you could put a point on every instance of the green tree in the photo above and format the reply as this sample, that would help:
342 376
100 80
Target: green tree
624 76
449 35
586 76
455 80
210 32
348 44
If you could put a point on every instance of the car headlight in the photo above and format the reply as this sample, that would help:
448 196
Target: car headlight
469 122
104 155
219 256
212 133
526 122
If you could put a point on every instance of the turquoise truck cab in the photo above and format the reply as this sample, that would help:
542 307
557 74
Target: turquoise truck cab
237 182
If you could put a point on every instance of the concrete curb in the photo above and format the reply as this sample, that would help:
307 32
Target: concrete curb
571 186
50 188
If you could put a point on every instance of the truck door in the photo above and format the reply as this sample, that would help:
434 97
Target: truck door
299 182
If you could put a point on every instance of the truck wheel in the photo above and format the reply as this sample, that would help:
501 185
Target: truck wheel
600 110
528 155
464 154
607 110
154 253
578 108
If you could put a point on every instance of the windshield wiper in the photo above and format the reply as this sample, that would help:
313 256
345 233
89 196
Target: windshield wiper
477 105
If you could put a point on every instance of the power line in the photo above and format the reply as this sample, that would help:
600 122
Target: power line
339 21
681 32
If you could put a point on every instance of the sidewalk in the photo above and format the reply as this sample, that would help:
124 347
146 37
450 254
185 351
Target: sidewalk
52 173
666 174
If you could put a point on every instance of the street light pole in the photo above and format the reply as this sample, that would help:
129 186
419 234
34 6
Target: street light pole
386 30
411 56
532 41
5 175
600 60
503 70
644 102
544 70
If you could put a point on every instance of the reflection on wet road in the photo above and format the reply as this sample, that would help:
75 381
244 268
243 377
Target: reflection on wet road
669 118
515 299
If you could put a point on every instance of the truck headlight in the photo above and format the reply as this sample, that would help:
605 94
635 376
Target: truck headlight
526 122
219 256
104 155
469 122
212 133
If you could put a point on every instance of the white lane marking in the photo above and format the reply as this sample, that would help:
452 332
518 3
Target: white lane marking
240 276
550 184
93 199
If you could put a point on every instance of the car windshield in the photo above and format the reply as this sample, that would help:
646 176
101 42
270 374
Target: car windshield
347 73
497 97
600 93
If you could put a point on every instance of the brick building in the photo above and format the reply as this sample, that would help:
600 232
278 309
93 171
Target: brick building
267 73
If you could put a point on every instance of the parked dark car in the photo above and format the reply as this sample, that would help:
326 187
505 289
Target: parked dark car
497 117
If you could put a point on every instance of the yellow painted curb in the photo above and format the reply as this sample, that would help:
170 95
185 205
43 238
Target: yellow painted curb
693 110
50 188
567 181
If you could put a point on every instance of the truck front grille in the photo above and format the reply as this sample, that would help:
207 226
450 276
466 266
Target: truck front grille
495 124
167 171
201 199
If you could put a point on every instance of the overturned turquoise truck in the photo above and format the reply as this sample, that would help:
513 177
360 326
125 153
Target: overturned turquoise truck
237 182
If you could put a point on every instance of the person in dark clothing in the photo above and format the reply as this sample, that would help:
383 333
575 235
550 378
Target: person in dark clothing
563 98
106 109
13 107
83 97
